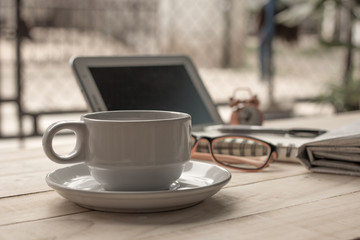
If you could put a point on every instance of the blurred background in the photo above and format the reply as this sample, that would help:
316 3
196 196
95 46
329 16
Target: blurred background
299 57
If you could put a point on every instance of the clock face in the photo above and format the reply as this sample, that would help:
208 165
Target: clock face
250 116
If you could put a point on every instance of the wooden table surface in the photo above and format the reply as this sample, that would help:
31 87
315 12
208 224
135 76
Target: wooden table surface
285 201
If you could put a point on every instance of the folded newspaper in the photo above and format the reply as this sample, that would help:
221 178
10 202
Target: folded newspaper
336 151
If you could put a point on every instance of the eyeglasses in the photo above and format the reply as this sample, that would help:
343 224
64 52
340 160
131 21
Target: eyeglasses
238 152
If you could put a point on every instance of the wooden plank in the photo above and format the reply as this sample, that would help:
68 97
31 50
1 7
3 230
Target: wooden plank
276 170
332 218
24 171
30 165
32 153
26 183
14 145
25 176
237 202
35 206
21 154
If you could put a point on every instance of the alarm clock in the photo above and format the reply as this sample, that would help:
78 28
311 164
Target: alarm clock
245 111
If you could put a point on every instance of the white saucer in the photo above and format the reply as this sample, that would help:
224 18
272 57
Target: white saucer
198 182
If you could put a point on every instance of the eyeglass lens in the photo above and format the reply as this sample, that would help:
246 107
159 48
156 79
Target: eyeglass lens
238 152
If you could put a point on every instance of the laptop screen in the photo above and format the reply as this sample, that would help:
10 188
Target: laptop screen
166 87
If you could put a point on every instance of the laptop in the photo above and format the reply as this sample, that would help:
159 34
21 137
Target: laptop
169 83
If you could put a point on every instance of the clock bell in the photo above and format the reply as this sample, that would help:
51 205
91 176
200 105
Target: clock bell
245 111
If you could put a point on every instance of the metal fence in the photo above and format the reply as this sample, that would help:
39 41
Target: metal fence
38 37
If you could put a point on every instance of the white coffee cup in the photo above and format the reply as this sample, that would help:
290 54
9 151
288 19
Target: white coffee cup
128 150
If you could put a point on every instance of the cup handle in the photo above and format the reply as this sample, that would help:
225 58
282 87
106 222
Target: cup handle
79 152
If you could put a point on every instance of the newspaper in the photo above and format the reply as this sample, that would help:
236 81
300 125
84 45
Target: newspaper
336 151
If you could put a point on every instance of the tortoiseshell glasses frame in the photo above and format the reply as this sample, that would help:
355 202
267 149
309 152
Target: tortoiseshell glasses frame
234 151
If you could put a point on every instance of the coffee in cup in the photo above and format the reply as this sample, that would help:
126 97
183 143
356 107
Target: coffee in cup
128 150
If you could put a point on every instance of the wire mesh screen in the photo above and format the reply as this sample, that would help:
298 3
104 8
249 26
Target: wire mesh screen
219 35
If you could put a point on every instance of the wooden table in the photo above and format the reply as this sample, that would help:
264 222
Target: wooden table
285 201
